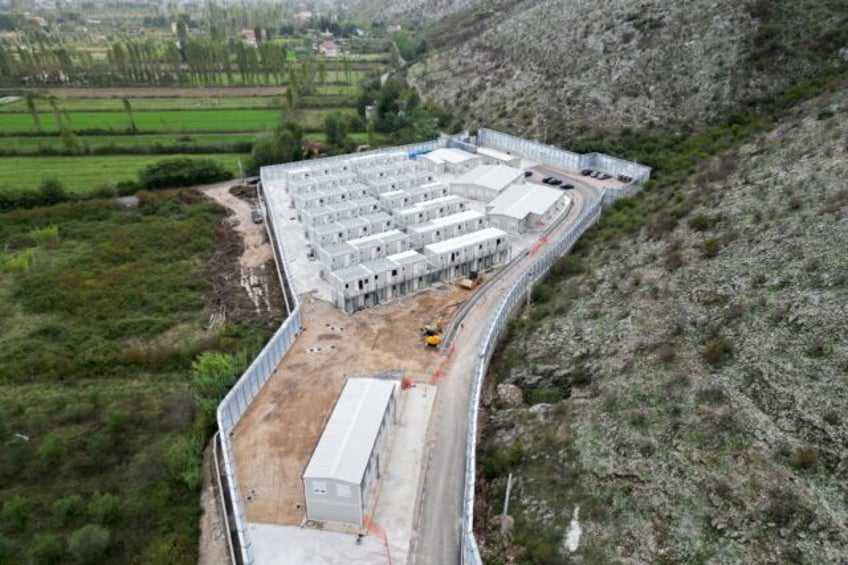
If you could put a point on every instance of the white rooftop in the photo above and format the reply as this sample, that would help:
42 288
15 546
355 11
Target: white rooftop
345 446
339 248
456 218
520 200
495 177
376 237
471 238
406 257
495 154
448 155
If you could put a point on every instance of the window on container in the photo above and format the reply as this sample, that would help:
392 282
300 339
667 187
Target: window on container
376 277
394 272
343 491
319 487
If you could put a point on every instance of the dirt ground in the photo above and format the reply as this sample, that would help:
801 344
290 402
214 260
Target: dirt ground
213 548
159 92
242 271
274 439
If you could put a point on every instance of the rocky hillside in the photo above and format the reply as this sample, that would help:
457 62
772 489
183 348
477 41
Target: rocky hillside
552 67
680 385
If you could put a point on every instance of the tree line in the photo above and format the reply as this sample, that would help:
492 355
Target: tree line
42 58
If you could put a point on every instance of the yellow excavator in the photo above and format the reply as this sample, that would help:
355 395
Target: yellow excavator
432 334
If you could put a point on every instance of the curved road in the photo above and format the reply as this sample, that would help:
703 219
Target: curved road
439 517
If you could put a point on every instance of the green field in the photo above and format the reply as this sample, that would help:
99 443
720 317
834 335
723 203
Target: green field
165 120
141 104
81 174
31 144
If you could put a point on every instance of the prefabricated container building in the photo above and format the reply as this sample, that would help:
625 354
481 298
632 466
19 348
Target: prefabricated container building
341 477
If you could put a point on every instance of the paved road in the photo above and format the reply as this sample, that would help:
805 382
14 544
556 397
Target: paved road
437 538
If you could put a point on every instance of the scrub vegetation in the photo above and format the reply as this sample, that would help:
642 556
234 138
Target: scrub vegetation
682 370
109 377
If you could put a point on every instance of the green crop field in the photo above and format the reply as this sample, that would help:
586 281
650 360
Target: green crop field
143 104
146 104
81 174
164 120
29 144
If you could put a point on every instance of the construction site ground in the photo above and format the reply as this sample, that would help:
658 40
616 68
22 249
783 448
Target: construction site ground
274 439
391 516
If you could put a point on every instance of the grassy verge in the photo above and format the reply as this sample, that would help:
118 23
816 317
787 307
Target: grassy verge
82 174
101 316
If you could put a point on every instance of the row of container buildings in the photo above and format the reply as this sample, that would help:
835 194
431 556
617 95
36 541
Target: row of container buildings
382 227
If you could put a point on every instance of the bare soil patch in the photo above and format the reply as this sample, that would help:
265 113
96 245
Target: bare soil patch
242 271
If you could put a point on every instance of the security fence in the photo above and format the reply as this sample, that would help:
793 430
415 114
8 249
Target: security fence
562 159
507 306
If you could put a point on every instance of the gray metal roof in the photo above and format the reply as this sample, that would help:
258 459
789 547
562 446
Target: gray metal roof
345 446
327 228
378 216
380 265
521 200
494 177
407 258
335 249
352 273
353 222
472 238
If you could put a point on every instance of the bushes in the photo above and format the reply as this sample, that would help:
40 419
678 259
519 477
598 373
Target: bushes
67 508
15 513
50 191
806 457
106 508
212 375
89 543
499 462
718 351
45 549
172 173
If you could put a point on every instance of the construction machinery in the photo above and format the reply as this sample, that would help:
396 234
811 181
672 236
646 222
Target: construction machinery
474 280
432 334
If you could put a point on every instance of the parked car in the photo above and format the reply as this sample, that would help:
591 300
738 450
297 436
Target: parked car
528 174
567 186
555 182
547 180
256 216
